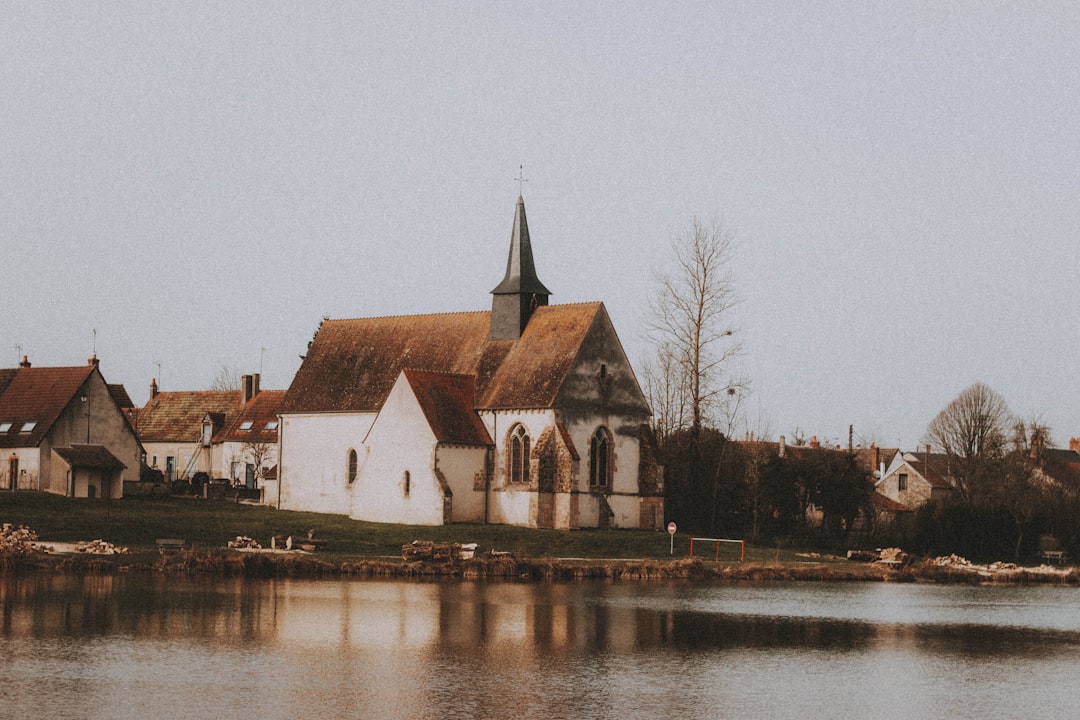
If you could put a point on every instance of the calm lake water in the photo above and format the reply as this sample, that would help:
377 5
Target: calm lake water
145 647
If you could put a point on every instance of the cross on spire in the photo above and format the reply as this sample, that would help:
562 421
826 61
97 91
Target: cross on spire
521 179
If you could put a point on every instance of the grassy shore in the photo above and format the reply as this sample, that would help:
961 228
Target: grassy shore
356 548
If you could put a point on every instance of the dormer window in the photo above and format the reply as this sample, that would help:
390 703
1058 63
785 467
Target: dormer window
28 427
246 425
5 427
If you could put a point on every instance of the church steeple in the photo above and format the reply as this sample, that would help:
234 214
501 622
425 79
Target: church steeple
520 291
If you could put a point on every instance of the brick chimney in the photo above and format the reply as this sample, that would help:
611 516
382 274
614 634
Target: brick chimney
153 388
1074 443
25 362
814 442
249 385
783 446
93 361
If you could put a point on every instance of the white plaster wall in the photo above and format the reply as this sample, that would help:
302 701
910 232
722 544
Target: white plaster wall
314 460
226 453
400 441
512 504
460 466
29 469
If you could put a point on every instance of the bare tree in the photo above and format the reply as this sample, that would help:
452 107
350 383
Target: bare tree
972 431
691 326
227 378
665 386
259 453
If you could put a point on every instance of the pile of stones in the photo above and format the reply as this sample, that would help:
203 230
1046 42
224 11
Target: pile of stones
243 542
100 547
16 539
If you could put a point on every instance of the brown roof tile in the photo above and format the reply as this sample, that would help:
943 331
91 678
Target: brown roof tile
178 416
448 401
37 395
90 456
260 411
352 364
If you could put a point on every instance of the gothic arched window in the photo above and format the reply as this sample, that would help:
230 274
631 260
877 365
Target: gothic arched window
600 458
518 455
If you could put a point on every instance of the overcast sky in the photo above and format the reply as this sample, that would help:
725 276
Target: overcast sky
201 183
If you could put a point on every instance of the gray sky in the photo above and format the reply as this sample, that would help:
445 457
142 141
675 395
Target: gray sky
198 182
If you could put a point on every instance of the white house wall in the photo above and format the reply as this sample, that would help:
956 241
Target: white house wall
314 451
399 445
463 468
29 473
513 504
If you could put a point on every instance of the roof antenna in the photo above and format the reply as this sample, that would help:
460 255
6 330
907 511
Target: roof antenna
521 179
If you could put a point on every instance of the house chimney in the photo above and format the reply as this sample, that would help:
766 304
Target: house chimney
25 362
93 361
250 388
877 456
782 446
1074 443
814 442
850 438
153 388
927 457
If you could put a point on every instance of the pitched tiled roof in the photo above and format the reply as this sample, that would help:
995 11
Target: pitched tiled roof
261 411
936 473
887 504
178 416
90 456
120 396
36 395
351 365
448 401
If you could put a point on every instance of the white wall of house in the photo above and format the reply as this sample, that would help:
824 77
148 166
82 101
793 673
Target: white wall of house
28 473
397 481
623 498
241 453
917 493
462 467
513 503
314 451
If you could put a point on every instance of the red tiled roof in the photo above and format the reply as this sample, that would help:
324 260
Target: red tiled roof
351 365
36 395
260 411
448 401
178 416
120 396
883 503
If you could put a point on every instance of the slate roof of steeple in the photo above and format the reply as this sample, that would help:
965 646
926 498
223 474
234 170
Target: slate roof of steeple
520 269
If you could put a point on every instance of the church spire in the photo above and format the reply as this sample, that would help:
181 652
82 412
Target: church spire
520 291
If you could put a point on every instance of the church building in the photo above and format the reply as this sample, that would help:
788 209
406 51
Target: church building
528 414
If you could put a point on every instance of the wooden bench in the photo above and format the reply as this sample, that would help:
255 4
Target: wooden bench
169 545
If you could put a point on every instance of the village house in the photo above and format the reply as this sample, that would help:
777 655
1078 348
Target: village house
914 479
528 414
215 432
64 431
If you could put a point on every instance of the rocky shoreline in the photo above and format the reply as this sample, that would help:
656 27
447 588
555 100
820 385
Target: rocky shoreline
22 552
269 564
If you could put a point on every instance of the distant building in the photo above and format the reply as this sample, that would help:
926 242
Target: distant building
216 432
63 430
529 414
